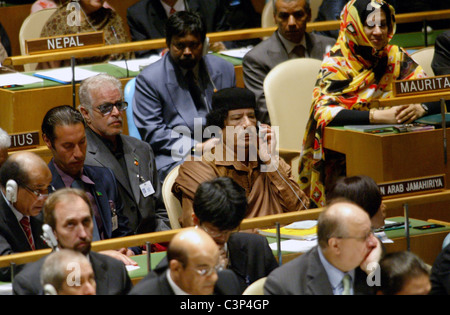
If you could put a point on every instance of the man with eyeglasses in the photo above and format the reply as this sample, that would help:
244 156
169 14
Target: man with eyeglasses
173 95
24 181
63 131
220 206
191 269
131 160
340 264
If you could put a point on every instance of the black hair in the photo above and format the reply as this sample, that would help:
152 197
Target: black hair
362 190
221 202
182 23
11 169
63 115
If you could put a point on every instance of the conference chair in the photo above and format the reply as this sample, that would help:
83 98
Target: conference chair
424 57
288 90
256 288
128 93
31 29
173 205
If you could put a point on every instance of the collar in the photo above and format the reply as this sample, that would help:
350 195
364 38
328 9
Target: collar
195 71
334 275
290 45
178 6
176 289
109 144
68 180
229 152
19 215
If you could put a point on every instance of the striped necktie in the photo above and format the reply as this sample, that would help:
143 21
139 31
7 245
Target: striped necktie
25 222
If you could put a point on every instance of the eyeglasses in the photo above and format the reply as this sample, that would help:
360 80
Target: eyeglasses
207 271
106 108
36 192
215 234
360 238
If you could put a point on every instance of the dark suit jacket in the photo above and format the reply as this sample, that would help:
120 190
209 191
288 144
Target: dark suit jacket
266 55
162 103
145 214
13 239
147 19
441 59
250 257
157 283
305 275
106 197
440 273
111 277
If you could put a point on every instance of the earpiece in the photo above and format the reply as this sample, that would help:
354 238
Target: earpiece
11 190
49 290
205 46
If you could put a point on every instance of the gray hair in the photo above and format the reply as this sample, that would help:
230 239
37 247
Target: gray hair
95 83
55 267
5 139
308 6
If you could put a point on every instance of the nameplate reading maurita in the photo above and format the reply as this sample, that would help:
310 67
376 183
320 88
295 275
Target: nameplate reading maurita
422 85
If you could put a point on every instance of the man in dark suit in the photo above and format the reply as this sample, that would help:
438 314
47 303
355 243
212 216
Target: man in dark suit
24 181
69 214
131 160
147 18
289 41
63 132
173 95
441 59
339 264
192 259
220 206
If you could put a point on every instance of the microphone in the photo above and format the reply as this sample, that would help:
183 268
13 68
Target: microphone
49 237
74 95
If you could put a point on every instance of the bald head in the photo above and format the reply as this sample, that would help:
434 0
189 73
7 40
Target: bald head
193 256
32 177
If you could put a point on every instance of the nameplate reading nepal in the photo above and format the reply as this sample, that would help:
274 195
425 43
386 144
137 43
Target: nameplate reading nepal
65 42
410 186
422 85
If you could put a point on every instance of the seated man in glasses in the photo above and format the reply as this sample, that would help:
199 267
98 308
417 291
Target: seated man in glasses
24 181
131 160
190 269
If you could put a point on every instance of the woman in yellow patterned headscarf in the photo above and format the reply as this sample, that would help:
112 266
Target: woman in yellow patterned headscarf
361 67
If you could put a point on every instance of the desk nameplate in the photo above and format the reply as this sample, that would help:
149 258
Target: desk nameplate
422 85
64 42
412 186
25 140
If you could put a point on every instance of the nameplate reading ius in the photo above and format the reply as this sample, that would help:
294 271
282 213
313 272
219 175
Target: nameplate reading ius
422 85
411 186
64 42
24 140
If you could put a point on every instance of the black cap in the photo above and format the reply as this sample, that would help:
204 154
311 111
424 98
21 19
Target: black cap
233 98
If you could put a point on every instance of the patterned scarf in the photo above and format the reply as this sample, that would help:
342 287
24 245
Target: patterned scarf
352 74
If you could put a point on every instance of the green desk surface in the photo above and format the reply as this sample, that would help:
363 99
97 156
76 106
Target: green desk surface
412 231
142 262
416 39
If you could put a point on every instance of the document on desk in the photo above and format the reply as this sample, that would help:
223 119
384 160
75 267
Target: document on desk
236 53
64 75
6 289
15 79
295 246
131 267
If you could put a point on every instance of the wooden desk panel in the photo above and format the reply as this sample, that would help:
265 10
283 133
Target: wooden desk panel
390 157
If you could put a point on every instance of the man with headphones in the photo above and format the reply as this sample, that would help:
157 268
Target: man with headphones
173 95
24 182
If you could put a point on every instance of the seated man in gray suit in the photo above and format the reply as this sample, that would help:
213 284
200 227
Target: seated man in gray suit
131 160
174 93
339 264
288 42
